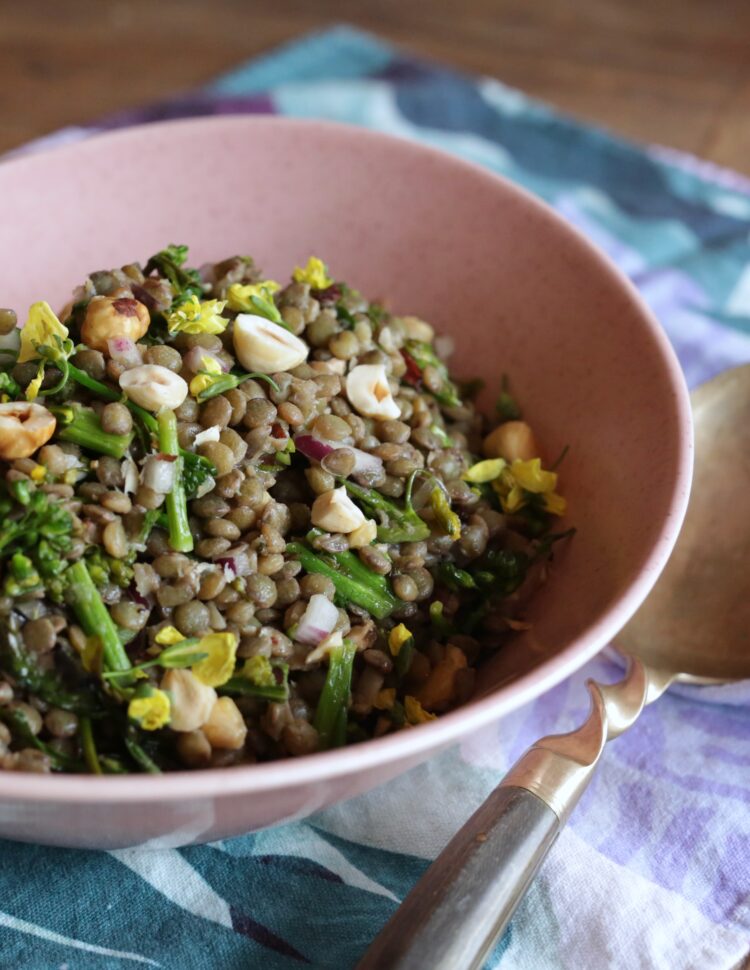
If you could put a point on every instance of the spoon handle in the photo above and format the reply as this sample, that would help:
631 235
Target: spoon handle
459 908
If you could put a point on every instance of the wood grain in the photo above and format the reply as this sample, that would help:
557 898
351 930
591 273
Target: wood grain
672 71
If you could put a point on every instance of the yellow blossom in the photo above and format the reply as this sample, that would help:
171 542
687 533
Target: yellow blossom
210 370
447 518
90 653
218 666
397 638
38 473
167 636
385 699
315 273
415 713
41 329
484 471
259 671
150 710
33 387
531 476
516 481
239 295
195 316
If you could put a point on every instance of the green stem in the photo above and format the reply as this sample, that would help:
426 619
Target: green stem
94 617
226 382
377 602
140 757
353 566
85 430
89 746
180 537
246 688
403 524
330 716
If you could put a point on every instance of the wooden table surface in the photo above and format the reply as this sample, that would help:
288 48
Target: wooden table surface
672 71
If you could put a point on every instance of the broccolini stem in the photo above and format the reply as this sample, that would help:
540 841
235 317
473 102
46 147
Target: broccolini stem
89 746
330 716
229 381
246 688
94 617
369 595
85 430
180 537
403 524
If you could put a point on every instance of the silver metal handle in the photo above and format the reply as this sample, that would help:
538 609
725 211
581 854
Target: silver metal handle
458 909
463 902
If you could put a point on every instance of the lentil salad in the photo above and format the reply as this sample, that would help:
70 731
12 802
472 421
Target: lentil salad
244 521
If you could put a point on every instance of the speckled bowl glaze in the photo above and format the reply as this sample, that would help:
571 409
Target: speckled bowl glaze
521 292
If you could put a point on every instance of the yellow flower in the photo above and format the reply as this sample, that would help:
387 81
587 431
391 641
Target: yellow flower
444 514
150 710
218 666
415 713
91 654
531 476
385 699
41 328
259 671
168 636
522 477
397 638
38 473
239 295
193 316
32 389
315 273
484 471
211 369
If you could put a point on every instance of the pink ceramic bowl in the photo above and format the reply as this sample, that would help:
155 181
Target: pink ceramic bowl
521 292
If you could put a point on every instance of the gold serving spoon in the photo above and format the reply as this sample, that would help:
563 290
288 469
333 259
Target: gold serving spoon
693 628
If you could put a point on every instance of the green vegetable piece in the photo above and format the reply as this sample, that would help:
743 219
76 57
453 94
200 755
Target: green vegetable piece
81 426
448 519
424 355
180 536
454 578
331 713
137 753
226 382
88 745
9 387
93 616
170 264
350 587
397 524
404 657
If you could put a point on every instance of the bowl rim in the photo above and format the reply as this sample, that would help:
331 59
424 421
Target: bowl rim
449 728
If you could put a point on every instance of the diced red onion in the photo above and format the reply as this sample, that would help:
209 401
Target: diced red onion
318 621
317 448
158 473
237 561
138 597
313 448
193 360
124 351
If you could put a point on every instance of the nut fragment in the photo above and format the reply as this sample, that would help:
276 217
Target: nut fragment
267 347
334 511
192 701
24 427
154 387
363 535
369 392
108 317
225 727
416 329
511 440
